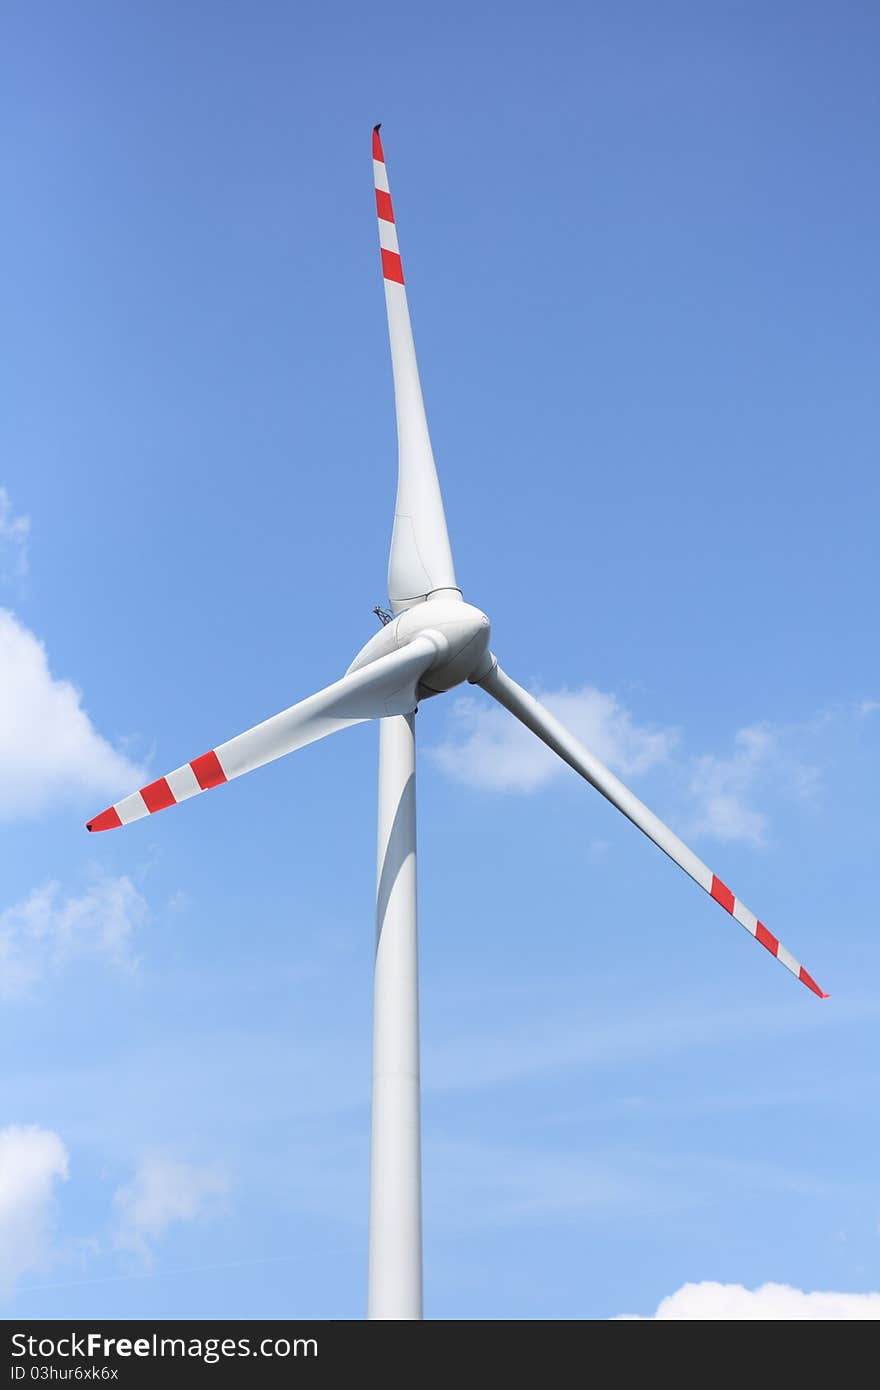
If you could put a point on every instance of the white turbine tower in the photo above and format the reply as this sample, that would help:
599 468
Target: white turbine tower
435 641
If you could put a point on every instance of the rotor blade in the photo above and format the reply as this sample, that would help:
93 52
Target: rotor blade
421 558
535 717
386 686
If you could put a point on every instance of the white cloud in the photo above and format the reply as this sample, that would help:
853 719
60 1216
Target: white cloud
163 1193
14 532
722 788
487 747
45 930
49 750
709 1302
32 1161
867 707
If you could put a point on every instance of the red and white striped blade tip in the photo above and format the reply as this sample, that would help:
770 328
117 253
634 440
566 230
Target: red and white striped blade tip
723 896
198 776
107 820
392 266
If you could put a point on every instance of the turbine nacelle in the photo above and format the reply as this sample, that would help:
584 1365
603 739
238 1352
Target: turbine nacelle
459 631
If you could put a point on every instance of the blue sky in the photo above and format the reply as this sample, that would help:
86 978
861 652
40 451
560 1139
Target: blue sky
641 259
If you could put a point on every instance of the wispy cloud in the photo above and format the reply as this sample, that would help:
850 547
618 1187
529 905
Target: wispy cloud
50 751
721 795
487 748
476 1060
14 535
44 931
724 790
508 1184
710 1302
32 1162
163 1193
504 1185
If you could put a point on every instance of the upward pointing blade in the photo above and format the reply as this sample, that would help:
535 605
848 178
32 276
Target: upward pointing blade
421 558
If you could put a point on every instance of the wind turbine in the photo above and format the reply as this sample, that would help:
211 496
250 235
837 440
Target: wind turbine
434 641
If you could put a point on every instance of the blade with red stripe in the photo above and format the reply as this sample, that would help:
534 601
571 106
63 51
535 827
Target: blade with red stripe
421 558
385 686
535 717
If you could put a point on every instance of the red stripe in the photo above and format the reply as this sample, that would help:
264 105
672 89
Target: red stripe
158 795
392 266
208 771
811 983
767 938
383 205
722 894
107 820
377 145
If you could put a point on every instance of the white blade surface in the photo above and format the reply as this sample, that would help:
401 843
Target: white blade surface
384 687
421 558
535 717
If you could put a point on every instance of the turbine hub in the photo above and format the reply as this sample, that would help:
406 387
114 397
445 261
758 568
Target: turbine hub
464 631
